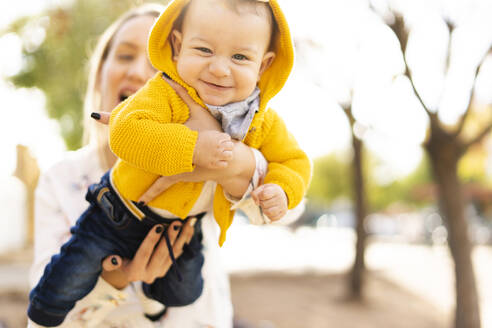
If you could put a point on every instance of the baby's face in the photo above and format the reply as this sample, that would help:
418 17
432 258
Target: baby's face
222 53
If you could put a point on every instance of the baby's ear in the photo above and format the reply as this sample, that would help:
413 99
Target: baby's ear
176 42
266 62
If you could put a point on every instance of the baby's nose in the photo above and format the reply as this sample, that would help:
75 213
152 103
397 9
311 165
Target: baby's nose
220 67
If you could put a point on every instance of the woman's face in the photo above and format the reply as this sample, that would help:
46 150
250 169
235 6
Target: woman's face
126 67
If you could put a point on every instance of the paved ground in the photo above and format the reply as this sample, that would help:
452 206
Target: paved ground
275 300
295 279
316 300
425 271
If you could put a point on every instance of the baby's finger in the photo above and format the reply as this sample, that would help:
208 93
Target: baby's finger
222 139
111 263
227 144
255 194
268 192
274 201
227 155
277 216
101 117
220 164
273 213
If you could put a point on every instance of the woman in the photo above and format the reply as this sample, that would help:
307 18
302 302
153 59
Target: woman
119 67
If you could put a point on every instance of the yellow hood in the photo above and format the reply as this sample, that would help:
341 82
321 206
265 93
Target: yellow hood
272 80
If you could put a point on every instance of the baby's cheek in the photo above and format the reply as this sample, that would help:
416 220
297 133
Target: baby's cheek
187 70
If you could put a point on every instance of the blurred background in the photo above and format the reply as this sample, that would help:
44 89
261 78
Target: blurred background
396 115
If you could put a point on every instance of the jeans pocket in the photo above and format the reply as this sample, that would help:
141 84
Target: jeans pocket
118 217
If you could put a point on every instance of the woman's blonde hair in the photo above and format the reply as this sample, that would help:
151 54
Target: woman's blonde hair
96 133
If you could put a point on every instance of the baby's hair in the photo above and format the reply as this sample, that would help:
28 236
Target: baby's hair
260 7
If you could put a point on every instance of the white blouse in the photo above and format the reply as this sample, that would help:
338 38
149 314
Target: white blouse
60 200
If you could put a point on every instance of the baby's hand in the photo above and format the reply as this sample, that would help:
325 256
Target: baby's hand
213 150
272 200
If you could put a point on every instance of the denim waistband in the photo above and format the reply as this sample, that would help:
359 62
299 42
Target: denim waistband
116 207
105 197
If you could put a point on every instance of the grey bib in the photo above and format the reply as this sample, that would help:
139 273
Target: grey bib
236 118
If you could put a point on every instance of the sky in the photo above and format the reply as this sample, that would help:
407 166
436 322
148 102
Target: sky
334 55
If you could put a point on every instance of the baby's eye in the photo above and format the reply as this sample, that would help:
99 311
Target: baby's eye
204 50
239 57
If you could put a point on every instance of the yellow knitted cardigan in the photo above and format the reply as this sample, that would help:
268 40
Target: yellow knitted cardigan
148 135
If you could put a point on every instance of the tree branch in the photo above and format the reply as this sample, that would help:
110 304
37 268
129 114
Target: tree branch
398 27
451 28
447 64
347 108
408 74
478 138
463 118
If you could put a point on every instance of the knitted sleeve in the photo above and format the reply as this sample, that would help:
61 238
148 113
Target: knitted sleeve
146 130
288 165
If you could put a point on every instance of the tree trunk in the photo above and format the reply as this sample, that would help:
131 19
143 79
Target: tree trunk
27 171
358 268
444 156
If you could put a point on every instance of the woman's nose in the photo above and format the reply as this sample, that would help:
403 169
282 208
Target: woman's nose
219 67
140 70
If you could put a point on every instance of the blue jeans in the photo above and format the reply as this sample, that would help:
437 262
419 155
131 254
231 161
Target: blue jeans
107 227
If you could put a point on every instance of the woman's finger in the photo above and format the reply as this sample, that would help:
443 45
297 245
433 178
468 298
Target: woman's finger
156 189
185 236
144 252
101 117
161 259
111 263
182 93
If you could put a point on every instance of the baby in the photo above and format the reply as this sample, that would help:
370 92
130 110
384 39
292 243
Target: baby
232 57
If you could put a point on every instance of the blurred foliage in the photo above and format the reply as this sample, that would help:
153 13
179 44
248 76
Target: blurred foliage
332 174
473 166
331 181
56 47
403 190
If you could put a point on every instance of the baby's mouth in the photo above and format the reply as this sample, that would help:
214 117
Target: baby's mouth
217 86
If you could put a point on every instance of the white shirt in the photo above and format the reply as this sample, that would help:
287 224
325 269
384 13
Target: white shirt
60 200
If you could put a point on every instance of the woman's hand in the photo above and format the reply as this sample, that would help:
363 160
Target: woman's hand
200 120
152 259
